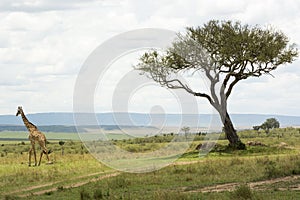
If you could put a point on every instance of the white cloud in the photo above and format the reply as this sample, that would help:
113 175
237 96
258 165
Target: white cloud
273 95
43 44
48 5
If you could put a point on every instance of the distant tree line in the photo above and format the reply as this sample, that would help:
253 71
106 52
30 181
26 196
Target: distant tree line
51 128
66 129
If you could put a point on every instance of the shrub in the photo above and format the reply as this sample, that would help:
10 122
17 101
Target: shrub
242 192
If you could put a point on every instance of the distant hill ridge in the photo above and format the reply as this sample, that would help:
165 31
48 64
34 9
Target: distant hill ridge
63 128
140 119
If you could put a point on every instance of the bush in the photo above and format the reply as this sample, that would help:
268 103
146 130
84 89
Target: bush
242 192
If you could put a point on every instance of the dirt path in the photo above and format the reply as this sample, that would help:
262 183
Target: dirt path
56 182
78 184
253 185
215 188
75 184
188 162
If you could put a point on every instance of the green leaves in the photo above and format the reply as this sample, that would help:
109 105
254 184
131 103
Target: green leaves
240 50
247 50
219 47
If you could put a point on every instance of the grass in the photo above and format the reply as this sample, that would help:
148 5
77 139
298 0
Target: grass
15 173
243 192
173 182
178 182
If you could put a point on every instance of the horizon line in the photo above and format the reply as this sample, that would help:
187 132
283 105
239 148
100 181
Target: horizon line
144 113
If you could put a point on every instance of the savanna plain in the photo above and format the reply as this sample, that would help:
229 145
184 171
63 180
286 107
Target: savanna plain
268 169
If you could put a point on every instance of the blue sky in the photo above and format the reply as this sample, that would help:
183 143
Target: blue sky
43 44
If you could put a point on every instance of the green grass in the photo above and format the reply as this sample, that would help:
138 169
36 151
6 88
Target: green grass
180 182
16 175
173 182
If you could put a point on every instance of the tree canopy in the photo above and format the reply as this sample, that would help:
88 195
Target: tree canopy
226 52
270 124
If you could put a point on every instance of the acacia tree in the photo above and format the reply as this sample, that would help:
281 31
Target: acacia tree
270 124
226 52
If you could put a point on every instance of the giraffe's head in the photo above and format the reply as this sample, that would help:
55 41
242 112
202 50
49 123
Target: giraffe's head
19 111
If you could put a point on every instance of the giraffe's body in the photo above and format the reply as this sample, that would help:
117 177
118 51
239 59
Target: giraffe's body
34 136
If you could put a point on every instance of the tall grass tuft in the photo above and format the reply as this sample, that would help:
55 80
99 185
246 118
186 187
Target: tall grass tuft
243 192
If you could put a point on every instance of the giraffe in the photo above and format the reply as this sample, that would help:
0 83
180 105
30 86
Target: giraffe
34 136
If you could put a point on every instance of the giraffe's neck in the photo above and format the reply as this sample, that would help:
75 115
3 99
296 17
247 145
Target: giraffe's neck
27 123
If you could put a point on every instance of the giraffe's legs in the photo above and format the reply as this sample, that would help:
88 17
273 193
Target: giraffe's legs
49 162
29 160
44 151
34 154
41 158
30 153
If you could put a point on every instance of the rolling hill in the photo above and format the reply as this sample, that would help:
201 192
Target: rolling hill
64 122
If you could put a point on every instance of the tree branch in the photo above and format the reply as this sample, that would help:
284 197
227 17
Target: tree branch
229 90
169 85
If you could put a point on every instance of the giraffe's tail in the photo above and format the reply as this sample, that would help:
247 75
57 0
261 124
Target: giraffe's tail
49 151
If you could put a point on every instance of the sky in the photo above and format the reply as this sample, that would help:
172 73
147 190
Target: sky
44 43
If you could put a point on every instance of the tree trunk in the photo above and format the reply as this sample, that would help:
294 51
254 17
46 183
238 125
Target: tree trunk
230 132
